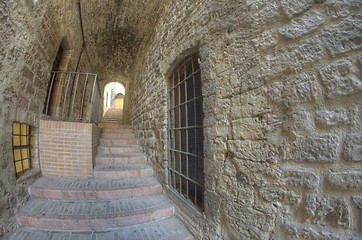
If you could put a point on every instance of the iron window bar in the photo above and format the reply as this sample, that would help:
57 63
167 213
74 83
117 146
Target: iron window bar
186 131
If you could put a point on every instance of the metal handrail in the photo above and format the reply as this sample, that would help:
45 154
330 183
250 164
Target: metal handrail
68 94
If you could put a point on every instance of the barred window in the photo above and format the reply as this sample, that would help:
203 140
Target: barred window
185 114
21 148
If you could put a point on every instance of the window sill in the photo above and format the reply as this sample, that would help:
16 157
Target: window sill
33 173
185 203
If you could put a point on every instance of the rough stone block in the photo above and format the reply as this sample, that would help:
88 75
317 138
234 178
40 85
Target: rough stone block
339 79
325 210
307 52
268 14
351 180
358 201
280 195
296 89
303 25
274 64
256 151
302 88
353 147
321 148
341 8
33 106
272 122
335 117
298 123
250 104
248 129
300 178
248 79
294 7
345 36
300 231
266 40
291 58
258 220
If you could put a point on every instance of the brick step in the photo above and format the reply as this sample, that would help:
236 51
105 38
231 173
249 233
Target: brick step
117 136
120 149
120 158
117 171
93 215
117 142
91 189
166 229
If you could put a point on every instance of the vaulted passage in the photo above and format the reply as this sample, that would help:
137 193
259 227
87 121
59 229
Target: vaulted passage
239 119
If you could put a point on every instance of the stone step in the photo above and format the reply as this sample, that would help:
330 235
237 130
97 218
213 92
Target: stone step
93 215
117 171
117 130
117 142
92 189
112 125
166 229
117 136
116 121
120 158
120 149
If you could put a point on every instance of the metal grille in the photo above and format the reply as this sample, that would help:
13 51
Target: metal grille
186 149
73 96
21 148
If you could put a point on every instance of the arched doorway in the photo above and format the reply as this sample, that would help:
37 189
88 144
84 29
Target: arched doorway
111 92
113 95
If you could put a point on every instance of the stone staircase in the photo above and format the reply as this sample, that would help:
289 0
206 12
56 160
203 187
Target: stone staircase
123 201
113 115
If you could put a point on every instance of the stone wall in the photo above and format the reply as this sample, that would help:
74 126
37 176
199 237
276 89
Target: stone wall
282 106
31 32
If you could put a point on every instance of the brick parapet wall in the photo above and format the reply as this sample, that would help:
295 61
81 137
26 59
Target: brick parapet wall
67 149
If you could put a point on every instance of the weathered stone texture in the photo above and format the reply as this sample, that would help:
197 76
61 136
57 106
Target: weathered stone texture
266 40
340 78
344 36
294 7
280 96
280 195
300 178
323 149
353 147
303 25
295 89
300 231
341 8
336 117
322 210
351 180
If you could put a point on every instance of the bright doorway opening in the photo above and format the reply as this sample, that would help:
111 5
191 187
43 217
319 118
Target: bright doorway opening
114 94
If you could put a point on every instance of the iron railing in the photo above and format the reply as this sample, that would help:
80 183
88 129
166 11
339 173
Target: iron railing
73 96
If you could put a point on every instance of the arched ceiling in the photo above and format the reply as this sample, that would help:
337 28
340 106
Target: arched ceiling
114 30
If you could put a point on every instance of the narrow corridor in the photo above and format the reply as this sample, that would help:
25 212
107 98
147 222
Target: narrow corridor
123 201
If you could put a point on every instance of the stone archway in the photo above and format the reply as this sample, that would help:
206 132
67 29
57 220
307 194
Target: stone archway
111 90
